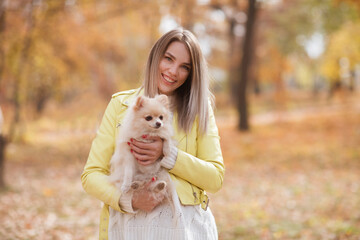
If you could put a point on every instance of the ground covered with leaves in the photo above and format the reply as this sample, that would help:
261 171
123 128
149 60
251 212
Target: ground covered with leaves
288 178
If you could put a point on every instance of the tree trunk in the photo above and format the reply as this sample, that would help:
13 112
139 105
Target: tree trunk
2 31
21 72
2 160
234 61
2 66
245 66
2 151
234 49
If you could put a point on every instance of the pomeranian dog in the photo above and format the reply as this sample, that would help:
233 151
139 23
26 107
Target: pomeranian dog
150 117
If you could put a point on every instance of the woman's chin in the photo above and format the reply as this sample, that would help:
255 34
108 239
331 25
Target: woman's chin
166 90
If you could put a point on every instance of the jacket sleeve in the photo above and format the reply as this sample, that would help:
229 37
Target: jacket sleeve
95 175
206 169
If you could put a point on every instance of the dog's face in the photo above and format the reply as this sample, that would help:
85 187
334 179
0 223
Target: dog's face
152 113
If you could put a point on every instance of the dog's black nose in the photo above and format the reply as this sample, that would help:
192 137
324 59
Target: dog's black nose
158 124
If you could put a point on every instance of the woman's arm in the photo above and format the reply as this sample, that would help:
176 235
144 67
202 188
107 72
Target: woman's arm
206 169
95 175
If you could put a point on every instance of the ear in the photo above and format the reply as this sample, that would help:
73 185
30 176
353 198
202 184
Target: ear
163 99
139 103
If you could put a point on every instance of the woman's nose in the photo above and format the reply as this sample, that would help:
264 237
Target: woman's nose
173 69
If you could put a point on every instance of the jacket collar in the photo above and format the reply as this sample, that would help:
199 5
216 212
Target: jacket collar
133 96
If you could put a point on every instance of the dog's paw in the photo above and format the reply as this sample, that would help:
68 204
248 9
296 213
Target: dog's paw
160 186
135 185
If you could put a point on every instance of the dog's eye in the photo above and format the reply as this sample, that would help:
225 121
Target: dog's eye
148 118
161 117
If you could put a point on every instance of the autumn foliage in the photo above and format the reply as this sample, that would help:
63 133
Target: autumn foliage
295 175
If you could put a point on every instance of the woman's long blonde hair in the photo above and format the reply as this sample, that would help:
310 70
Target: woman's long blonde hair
191 100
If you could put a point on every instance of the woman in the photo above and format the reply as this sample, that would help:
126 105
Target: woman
175 67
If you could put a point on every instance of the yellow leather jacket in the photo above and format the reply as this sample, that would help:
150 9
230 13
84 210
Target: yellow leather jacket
199 165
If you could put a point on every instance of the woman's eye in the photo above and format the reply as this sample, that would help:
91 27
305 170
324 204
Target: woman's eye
187 68
168 58
161 117
148 118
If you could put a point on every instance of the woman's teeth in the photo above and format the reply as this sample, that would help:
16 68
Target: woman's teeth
168 79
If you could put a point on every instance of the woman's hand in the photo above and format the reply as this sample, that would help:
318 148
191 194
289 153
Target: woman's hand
147 153
145 200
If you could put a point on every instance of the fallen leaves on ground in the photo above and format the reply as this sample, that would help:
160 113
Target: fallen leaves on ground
292 179
295 178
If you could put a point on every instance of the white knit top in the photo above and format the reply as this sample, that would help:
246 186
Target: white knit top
195 224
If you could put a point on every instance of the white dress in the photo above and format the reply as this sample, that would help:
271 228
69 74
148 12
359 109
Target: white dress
194 224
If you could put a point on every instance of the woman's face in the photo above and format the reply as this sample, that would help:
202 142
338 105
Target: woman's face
174 68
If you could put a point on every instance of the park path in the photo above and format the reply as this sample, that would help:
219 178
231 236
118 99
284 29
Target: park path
274 116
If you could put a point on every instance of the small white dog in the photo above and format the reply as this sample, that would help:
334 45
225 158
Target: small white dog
151 117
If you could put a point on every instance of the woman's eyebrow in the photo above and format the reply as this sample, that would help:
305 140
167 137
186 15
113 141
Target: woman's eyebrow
172 56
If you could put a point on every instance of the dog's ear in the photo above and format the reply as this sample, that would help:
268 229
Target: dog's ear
163 99
139 103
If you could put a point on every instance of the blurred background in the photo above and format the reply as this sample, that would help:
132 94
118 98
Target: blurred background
286 77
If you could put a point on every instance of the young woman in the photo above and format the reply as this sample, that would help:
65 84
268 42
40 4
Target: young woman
177 68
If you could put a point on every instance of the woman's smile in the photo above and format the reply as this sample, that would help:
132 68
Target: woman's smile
168 79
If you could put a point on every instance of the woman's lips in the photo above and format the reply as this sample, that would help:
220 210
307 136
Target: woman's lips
168 79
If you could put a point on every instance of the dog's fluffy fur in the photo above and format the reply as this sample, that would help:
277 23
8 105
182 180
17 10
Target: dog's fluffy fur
151 117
